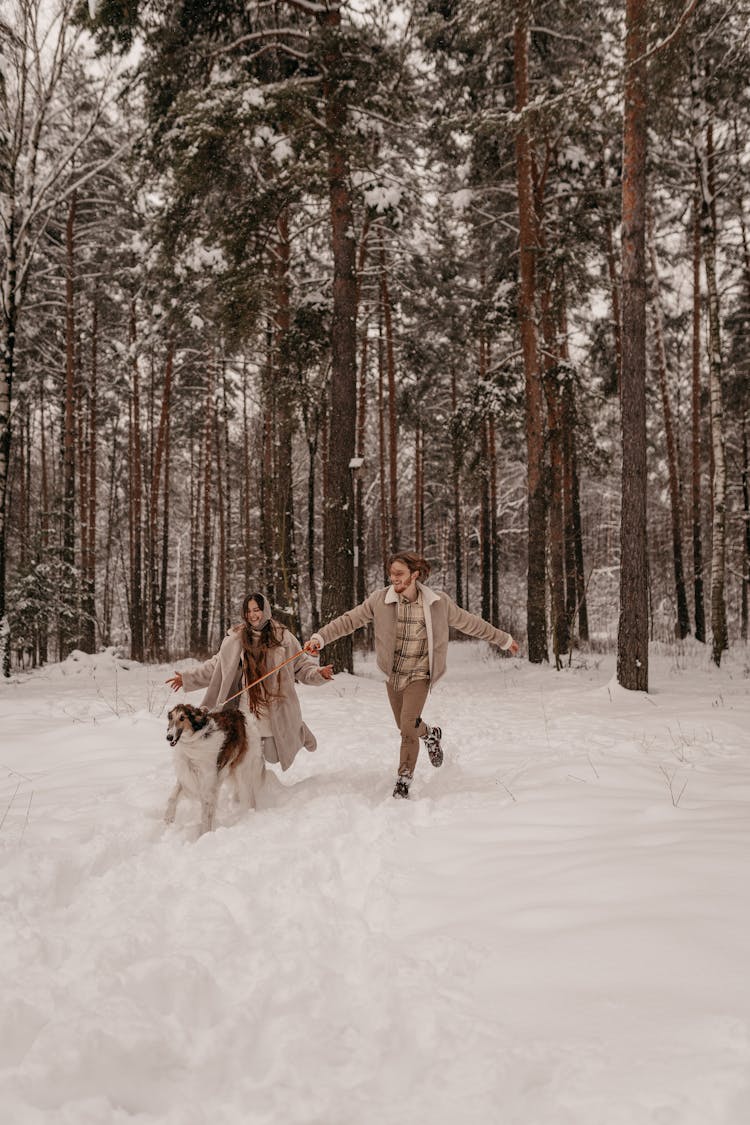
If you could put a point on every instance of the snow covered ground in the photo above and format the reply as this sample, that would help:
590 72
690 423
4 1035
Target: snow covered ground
553 931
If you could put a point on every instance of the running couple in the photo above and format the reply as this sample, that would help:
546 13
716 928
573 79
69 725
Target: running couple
411 624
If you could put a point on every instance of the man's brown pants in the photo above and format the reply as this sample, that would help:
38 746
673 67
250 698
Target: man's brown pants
407 711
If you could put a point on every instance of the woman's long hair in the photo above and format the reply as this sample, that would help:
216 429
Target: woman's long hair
254 659
414 562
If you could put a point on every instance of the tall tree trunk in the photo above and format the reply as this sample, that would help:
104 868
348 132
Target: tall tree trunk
160 455
165 553
745 469
385 299
614 281
556 502
695 491
135 506
682 625
312 453
207 512
485 523
194 533
528 247
229 550
457 459
23 414
384 522
10 300
359 482
89 572
583 611
494 617
266 485
285 577
632 640
246 478
338 545
359 487
419 487
718 538
107 591
69 632
746 536
575 582
42 632
221 477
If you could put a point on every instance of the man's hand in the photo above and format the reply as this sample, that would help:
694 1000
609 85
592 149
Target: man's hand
175 682
513 650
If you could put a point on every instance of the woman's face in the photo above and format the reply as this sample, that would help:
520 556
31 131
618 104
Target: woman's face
401 577
254 614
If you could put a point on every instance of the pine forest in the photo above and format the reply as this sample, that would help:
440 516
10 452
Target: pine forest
289 285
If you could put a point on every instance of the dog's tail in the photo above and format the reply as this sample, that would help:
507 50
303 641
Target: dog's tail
234 746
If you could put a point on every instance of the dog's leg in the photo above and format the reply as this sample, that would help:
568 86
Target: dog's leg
208 809
257 778
171 809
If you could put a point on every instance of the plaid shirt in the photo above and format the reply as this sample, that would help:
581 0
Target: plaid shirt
411 659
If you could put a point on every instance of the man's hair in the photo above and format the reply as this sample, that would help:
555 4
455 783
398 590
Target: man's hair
413 561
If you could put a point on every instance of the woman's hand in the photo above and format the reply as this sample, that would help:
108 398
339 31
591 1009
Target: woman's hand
513 650
175 682
326 671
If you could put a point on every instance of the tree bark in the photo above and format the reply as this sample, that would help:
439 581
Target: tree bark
746 535
135 506
393 539
556 500
69 632
632 640
284 570
614 283
457 460
528 247
382 474
695 491
338 545
157 586
718 539
494 617
485 522
682 624
207 512
89 571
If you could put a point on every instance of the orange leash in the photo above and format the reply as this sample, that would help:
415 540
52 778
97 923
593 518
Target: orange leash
260 679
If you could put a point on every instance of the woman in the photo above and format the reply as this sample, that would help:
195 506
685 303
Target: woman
247 652
411 624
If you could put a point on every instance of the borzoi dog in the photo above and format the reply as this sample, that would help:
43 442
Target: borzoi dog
211 747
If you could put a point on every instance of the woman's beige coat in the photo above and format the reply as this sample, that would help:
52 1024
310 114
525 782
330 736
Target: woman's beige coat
221 677
440 615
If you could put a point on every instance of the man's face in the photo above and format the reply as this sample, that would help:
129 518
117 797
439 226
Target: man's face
401 577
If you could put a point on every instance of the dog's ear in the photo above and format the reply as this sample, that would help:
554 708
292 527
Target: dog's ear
196 716
169 715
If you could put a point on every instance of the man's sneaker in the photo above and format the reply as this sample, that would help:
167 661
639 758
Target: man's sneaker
403 781
432 742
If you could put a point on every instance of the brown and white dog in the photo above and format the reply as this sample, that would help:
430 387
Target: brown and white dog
211 747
